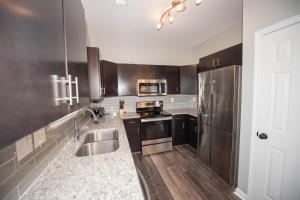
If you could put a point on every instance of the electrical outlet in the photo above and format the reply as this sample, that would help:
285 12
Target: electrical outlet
194 99
172 100
39 137
24 147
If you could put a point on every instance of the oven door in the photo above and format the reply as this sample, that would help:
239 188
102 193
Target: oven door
156 128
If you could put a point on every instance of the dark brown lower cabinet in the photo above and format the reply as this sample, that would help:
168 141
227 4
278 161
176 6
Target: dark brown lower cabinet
185 130
132 127
192 131
179 130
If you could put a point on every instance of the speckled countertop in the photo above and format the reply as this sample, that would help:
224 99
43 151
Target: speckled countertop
185 111
181 111
107 176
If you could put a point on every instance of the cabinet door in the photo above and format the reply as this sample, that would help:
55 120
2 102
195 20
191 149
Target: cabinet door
230 56
144 71
110 78
132 127
172 74
127 79
206 63
192 131
158 72
75 33
32 49
179 130
188 79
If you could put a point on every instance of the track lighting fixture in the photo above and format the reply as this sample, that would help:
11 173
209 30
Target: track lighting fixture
179 5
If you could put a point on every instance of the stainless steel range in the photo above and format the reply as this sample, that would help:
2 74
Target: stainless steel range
156 127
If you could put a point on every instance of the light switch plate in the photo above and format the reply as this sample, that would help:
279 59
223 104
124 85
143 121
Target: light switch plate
172 100
39 137
24 147
194 99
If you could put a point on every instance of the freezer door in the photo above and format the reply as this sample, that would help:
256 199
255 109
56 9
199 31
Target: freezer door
204 97
223 95
204 143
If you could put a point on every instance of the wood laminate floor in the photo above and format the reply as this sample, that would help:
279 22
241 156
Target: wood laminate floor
179 175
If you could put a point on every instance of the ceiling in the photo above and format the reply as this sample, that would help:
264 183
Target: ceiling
136 22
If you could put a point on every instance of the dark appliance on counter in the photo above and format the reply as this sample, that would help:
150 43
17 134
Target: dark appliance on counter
156 127
151 87
218 118
99 111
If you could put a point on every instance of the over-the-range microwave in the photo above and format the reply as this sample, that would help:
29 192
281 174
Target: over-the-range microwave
151 87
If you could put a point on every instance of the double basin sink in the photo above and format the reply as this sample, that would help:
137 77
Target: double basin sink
99 141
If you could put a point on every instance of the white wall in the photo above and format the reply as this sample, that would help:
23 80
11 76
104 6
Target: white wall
228 38
142 53
257 15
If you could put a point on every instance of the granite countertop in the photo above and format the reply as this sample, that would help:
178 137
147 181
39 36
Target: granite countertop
183 111
106 176
180 111
130 115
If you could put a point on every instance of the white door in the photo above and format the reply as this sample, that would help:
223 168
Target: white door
277 169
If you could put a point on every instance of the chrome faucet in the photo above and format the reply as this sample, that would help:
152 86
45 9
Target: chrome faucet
77 132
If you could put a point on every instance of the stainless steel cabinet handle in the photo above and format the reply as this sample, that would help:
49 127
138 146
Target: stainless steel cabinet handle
156 119
218 61
70 89
213 62
77 89
131 122
104 91
183 125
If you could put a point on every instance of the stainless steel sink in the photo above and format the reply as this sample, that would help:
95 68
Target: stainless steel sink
101 135
99 141
95 148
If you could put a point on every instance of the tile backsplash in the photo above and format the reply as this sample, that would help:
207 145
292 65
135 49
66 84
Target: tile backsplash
22 162
111 104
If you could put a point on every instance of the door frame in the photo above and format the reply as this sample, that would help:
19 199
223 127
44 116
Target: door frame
256 89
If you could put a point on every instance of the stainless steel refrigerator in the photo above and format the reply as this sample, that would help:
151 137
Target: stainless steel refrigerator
218 118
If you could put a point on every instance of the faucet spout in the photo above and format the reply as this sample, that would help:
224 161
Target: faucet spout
76 131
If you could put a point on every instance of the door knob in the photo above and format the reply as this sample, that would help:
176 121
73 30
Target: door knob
262 136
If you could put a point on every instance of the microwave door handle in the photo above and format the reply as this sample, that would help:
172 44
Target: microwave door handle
159 88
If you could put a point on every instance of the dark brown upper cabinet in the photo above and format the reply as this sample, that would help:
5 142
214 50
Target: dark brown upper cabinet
109 78
144 71
75 33
172 74
128 74
188 79
31 50
226 57
127 78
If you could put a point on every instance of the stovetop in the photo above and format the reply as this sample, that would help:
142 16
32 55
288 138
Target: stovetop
151 114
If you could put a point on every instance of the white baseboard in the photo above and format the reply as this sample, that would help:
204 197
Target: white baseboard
240 194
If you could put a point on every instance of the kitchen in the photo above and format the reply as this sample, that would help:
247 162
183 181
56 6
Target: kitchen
128 99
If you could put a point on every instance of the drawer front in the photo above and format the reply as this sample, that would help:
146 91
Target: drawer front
156 148
132 122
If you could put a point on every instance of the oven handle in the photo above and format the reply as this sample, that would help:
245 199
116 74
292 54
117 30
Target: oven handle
156 119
